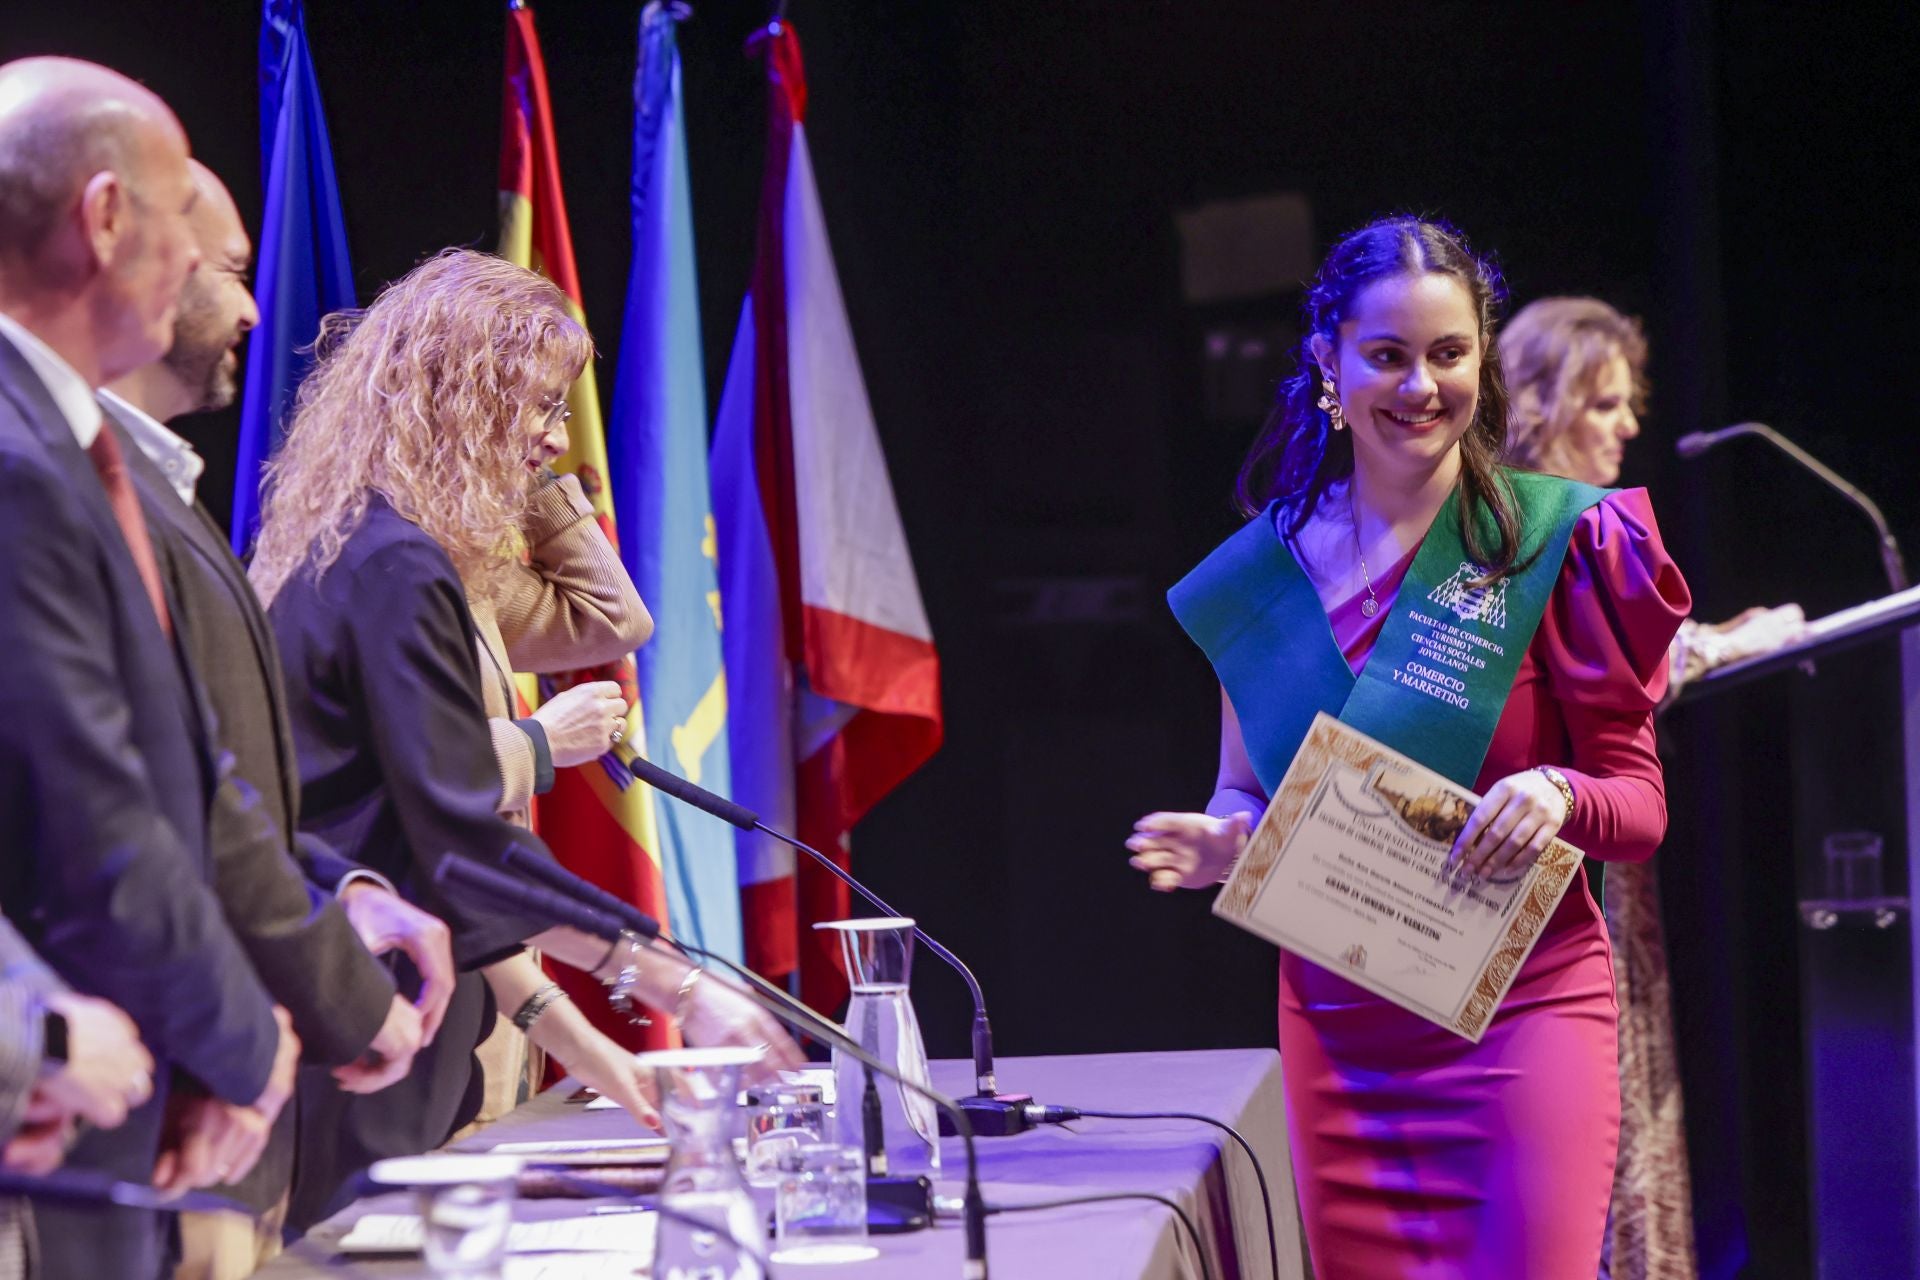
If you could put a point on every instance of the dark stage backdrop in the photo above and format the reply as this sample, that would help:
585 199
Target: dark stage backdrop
1001 181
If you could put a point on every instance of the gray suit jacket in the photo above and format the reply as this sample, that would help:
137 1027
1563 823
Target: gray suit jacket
296 935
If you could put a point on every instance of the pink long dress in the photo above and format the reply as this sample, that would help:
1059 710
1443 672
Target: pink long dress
1421 1156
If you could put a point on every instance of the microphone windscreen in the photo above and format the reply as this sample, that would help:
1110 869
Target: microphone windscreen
1693 444
699 797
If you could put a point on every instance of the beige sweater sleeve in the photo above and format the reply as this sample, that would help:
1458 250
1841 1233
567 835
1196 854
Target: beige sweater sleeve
572 605
513 749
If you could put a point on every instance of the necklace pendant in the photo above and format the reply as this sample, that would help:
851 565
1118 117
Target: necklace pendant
1369 607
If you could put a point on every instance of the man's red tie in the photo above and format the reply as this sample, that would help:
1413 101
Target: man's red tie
112 469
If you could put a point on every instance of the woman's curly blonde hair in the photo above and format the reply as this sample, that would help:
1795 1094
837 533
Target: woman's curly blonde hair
1554 351
431 398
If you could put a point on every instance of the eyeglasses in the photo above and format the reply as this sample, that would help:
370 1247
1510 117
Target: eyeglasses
557 412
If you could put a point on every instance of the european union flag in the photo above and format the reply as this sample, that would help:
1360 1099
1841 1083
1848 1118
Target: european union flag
657 439
303 271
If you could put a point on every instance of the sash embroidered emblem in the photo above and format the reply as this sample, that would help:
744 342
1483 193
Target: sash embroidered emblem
1470 602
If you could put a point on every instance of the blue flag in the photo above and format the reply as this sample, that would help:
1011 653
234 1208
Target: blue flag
657 446
303 271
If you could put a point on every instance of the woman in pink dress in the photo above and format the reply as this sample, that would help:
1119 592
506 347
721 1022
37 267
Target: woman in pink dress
1417 1153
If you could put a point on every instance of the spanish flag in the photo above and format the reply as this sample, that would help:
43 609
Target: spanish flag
594 827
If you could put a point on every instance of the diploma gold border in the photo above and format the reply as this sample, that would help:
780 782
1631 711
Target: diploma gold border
1330 742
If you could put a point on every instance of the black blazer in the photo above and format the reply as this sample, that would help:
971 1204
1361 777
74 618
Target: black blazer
396 768
105 783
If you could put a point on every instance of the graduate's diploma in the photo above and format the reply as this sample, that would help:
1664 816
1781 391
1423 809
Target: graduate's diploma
1349 869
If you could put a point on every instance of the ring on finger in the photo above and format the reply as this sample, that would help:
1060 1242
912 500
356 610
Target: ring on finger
619 732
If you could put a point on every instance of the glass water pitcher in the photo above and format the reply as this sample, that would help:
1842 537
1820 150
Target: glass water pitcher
879 958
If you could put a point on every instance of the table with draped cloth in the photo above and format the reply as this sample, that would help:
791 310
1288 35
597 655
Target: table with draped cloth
1195 1165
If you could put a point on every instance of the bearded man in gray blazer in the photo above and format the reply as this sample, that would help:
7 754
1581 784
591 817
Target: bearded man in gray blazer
300 937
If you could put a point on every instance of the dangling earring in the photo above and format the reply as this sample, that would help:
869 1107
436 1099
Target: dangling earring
1330 403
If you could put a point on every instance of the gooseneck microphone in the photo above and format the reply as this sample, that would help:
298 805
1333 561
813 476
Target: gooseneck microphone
578 888
476 879
993 1118
561 903
90 1186
1698 442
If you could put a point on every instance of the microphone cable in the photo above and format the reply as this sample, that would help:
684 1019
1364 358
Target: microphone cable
1266 1198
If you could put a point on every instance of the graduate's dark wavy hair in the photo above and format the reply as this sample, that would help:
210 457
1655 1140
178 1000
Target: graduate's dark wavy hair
1298 454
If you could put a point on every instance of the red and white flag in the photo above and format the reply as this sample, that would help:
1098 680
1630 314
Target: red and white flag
833 680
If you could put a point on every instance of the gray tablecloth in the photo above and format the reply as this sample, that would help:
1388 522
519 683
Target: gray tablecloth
1193 1164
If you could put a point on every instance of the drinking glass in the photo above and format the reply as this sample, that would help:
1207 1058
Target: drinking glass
708 1227
466 1209
820 1204
780 1117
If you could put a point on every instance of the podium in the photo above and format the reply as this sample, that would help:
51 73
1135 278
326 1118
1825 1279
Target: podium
1843 793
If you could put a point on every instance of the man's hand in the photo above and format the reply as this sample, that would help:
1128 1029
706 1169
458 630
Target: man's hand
209 1141
108 1070
580 721
386 922
40 1143
390 1056
286 1067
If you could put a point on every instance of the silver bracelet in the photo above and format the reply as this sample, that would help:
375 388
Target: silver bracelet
536 1004
627 981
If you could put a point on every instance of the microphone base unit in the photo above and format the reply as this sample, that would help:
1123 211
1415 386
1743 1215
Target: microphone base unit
999 1116
896 1206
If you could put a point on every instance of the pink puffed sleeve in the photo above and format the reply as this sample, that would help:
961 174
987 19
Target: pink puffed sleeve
1603 644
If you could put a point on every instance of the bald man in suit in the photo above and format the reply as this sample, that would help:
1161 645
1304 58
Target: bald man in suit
107 771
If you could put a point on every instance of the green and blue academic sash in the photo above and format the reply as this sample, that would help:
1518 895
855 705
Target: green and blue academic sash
1442 668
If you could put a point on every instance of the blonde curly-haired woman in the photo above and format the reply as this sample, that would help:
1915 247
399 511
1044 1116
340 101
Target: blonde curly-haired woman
403 490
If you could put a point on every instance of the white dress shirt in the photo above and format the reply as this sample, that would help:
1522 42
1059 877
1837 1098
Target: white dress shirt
173 455
69 390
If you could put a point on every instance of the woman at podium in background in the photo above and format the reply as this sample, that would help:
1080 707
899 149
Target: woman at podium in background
1418 1153
1576 374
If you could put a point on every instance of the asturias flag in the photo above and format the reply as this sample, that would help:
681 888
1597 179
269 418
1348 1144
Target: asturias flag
303 272
598 830
658 444
835 682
